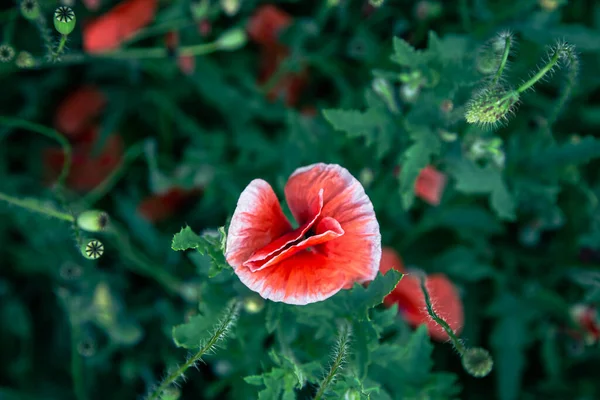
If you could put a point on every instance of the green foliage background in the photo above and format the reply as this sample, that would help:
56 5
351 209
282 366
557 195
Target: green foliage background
521 242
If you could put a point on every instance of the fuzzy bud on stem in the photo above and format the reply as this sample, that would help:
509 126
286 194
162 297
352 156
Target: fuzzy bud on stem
477 362
491 105
93 220
30 9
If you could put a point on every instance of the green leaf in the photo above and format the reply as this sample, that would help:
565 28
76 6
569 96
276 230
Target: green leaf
406 56
357 301
415 158
374 125
472 179
211 244
579 152
191 334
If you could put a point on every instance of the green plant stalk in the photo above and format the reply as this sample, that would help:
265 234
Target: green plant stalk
38 209
341 351
60 48
505 54
566 92
40 23
51 133
220 332
456 342
553 61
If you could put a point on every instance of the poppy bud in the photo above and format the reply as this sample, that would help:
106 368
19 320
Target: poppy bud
253 304
25 60
231 7
64 20
30 9
232 39
93 220
491 105
477 362
7 53
92 249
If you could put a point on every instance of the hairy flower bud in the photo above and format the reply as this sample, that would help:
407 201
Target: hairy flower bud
64 20
25 60
477 362
92 249
93 220
491 105
7 53
30 9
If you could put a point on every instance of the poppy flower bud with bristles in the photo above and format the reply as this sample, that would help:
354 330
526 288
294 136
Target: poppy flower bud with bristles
92 249
491 105
93 220
7 53
30 9
477 362
25 60
232 39
490 56
64 20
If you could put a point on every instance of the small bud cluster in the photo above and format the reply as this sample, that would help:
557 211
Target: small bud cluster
30 9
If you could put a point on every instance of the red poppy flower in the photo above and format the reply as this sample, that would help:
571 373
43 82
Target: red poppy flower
161 206
337 243
411 301
289 87
266 24
87 170
77 112
430 185
119 24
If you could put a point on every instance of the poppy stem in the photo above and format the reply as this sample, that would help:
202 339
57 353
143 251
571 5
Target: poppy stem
220 332
36 206
60 48
456 342
507 45
341 349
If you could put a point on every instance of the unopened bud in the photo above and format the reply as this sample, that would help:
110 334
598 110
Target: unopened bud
93 220
366 177
92 249
30 9
477 362
491 105
231 7
232 39
25 60
7 53
64 20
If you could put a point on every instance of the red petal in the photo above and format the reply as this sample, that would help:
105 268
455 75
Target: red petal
266 23
77 111
328 229
444 298
390 260
304 278
430 185
358 252
119 24
257 221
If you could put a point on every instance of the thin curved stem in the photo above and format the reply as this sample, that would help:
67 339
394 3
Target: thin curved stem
33 205
505 55
553 61
341 351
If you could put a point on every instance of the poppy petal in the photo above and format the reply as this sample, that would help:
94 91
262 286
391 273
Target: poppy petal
77 111
358 252
328 229
257 221
266 23
304 278
430 185
390 260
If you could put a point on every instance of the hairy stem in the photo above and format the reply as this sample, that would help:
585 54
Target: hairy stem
458 345
227 321
505 54
59 50
543 71
341 351
573 65
35 206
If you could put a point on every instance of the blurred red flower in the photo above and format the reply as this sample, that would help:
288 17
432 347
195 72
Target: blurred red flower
430 184
78 111
264 28
337 243
87 169
411 301
186 64
586 317
160 207
108 31
92 5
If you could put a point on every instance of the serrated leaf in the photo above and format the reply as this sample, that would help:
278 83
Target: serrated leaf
406 56
415 158
211 244
190 334
374 125
472 179
417 356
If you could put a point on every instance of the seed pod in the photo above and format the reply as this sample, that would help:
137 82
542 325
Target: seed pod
93 220
64 20
92 249
491 105
477 362
30 9
7 53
